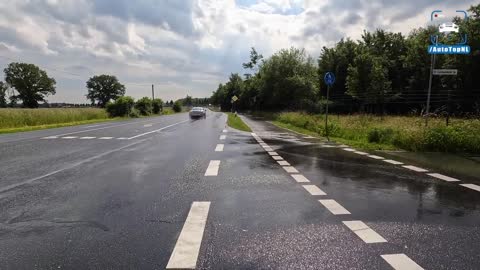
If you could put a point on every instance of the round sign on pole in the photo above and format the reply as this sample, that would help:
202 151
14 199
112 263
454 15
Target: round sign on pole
329 78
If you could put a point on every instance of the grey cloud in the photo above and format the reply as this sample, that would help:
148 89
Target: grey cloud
177 14
351 18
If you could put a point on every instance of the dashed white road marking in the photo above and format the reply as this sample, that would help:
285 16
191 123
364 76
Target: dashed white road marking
300 178
105 138
87 138
414 168
361 229
225 131
50 137
213 167
349 149
268 148
254 135
277 157
263 144
122 138
219 148
472 186
375 157
401 262
334 207
360 153
443 177
157 130
147 125
69 137
223 137
394 162
273 153
314 190
290 169
328 146
185 253
283 163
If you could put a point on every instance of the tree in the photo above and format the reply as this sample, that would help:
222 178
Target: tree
188 101
31 83
177 107
104 88
3 94
157 105
144 106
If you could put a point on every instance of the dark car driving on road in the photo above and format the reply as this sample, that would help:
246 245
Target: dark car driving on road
198 112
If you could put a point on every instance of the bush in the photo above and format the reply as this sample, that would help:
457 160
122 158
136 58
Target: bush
157 105
134 113
177 107
121 107
380 135
144 106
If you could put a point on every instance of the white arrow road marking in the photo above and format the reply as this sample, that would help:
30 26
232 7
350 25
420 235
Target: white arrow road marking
185 253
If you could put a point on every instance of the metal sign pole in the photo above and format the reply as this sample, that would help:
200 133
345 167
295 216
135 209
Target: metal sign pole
326 113
429 89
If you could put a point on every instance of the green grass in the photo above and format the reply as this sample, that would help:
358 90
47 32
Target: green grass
389 132
39 127
237 123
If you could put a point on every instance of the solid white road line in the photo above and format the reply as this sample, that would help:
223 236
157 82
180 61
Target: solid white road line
70 137
361 229
223 137
334 207
300 178
273 153
6 188
375 157
401 262
49 137
157 130
290 169
219 148
314 190
277 157
443 177
414 168
105 138
360 153
213 167
394 162
185 253
87 138
472 186
283 163
111 126
349 149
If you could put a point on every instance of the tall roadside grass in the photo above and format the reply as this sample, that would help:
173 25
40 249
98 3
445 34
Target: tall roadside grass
21 118
401 132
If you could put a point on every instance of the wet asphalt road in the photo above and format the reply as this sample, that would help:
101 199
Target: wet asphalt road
119 195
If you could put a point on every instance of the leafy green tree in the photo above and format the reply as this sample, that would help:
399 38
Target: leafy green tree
120 107
177 106
144 106
3 94
31 83
104 88
187 101
157 105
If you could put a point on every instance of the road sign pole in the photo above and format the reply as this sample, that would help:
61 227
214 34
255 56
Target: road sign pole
429 89
326 113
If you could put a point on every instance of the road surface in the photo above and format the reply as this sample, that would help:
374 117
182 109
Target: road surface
170 192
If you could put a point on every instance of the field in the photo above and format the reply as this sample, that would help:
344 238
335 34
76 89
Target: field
14 120
389 132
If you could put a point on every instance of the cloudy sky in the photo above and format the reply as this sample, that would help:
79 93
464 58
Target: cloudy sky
183 46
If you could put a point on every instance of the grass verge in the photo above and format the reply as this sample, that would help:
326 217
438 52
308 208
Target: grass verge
236 122
39 127
389 132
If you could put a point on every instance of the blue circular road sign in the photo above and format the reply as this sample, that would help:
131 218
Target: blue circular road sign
329 78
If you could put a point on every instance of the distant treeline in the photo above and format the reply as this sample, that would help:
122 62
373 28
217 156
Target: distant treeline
383 72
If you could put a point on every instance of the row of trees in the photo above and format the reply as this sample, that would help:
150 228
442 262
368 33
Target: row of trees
126 106
382 72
